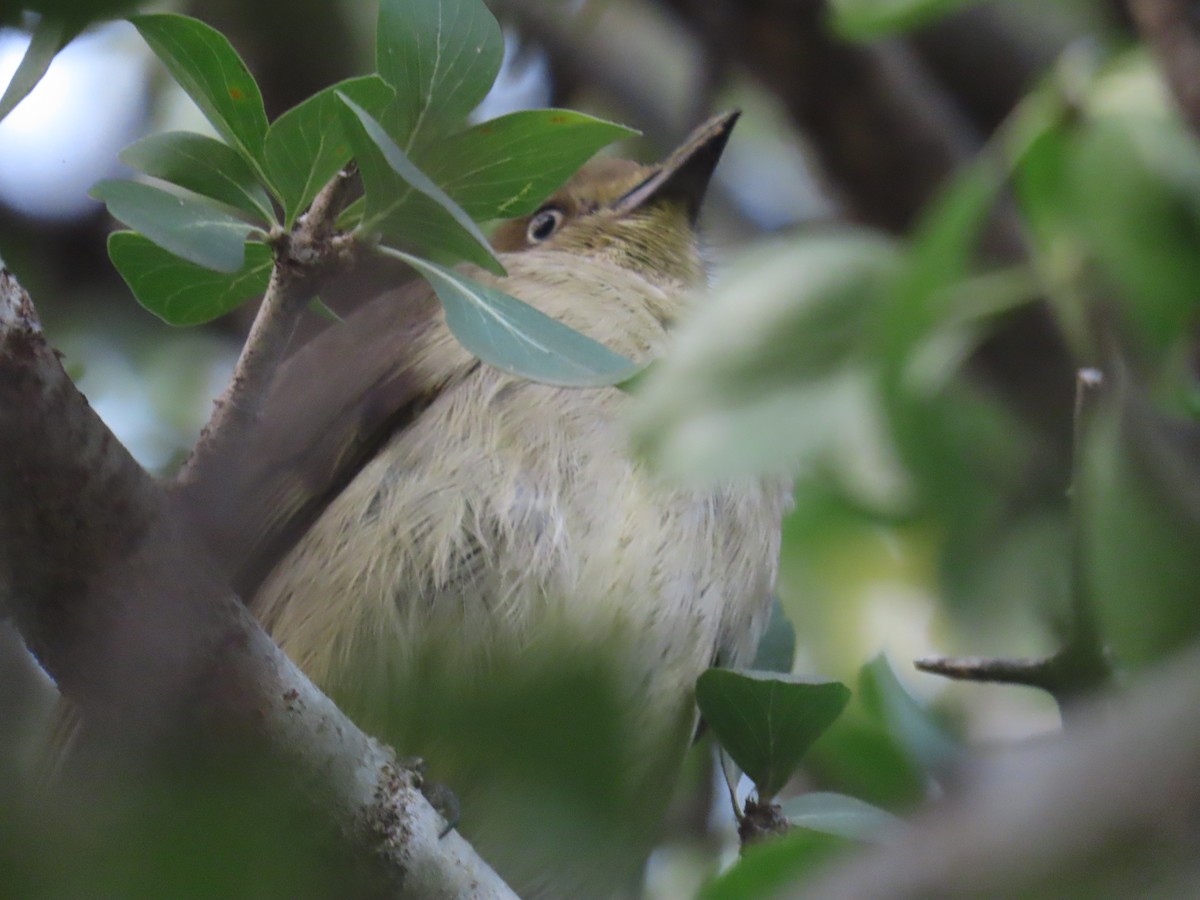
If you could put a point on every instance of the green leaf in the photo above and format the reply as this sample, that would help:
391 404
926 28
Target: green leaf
767 868
942 250
52 33
777 647
307 145
507 166
1140 501
1135 182
767 721
204 166
403 203
1040 176
862 758
207 67
760 356
516 338
441 57
181 293
884 697
864 20
957 443
189 228
839 815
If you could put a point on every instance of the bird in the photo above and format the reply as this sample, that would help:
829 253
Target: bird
481 569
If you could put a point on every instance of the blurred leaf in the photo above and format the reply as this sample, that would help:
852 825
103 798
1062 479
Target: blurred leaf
777 647
441 57
941 251
1140 496
394 188
505 167
961 446
766 868
179 292
570 802
838 814
516 338
767 721
232 827
53 32
1042 184
307 146
859 757
1135 184
191 229
885 698
793 427
864 20
755 351
978 298
934 361
203 165
207 67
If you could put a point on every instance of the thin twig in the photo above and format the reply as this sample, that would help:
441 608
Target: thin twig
1084 642
1080 666
1028 672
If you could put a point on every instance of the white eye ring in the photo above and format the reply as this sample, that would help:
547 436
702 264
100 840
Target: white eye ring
544 223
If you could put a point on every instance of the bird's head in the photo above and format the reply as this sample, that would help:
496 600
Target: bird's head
643 217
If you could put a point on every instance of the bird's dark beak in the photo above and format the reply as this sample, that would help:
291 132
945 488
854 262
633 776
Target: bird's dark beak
684 175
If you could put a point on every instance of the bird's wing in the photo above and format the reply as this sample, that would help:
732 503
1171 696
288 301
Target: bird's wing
331 406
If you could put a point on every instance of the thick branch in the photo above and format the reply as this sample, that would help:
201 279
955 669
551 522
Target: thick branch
598 57
885 133
988 55
123 607
1172 29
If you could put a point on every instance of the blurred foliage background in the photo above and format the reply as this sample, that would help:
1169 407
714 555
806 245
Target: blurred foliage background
930 215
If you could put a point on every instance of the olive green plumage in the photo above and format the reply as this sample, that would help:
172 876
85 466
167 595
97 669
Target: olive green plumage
502 534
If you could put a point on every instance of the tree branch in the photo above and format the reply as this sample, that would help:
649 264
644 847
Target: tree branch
303 260
119 601
597 57
885 133
1038 673
988 55
1080 666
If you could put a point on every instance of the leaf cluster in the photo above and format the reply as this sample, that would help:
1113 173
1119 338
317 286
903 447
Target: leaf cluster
213 210
848 356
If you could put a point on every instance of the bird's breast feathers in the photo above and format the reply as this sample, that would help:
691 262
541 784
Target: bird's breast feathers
511 513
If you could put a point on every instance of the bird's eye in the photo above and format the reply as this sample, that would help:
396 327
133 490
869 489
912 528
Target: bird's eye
544 223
